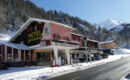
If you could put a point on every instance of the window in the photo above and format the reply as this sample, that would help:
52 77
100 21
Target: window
73 55
47 42
54 36
77 55
35 28
22 55
57 37
43 56
66 38
29 30
78 38
46 30
73 37
15 55
9 54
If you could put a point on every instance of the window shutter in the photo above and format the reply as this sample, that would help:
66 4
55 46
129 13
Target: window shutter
47 42
54 36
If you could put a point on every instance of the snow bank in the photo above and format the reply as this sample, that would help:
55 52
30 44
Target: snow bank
39 73
122 51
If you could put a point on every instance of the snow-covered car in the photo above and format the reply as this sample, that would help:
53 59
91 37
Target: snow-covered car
108 51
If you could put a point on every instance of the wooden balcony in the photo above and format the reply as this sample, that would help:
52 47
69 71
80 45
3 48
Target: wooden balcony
64 43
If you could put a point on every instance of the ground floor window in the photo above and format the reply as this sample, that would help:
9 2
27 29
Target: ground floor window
15 55
22 55
9 54
43 56
62 55
27 55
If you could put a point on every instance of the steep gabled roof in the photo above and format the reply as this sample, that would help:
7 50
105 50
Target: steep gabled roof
25 25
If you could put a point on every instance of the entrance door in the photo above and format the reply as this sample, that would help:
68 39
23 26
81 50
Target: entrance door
43 59
62 58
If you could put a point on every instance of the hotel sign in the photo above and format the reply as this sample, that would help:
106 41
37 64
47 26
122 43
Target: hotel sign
34 36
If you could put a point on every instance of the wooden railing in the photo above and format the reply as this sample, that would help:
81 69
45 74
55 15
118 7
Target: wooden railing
64 43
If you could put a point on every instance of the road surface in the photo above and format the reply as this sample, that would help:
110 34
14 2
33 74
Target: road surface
110 71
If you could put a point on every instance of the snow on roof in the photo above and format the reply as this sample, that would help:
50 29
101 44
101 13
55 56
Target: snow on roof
92 40
13 45
106 42
77 34
25 25
41 20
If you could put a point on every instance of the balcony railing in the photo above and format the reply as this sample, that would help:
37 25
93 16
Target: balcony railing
64 43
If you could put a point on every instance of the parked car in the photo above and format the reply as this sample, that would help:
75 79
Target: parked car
108 51
3 66
82 59
104 55
98 57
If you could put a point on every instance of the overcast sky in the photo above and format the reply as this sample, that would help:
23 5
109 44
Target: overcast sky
93 11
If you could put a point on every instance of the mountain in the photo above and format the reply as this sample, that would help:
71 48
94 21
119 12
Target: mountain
109 24
120 29
124 31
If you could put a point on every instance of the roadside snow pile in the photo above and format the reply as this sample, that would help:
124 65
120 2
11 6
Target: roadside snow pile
122 51
40 73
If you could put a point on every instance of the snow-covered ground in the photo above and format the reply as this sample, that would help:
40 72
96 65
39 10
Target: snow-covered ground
122 51
37 73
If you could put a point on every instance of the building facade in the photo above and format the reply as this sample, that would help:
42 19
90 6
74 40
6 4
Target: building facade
108 45
45 41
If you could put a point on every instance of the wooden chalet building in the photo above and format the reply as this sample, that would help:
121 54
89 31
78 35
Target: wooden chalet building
108 45
45 41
